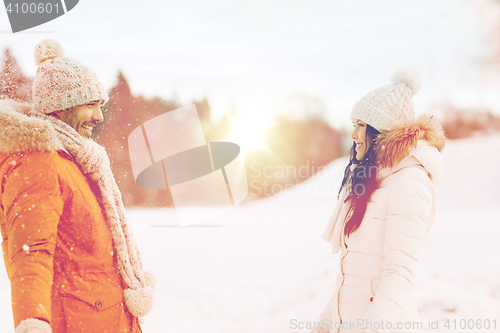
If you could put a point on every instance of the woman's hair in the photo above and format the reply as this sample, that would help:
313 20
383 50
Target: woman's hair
360 177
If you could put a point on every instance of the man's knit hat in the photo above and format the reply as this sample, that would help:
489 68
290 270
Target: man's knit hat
384 107
61 82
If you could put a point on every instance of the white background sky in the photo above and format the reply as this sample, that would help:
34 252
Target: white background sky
256 55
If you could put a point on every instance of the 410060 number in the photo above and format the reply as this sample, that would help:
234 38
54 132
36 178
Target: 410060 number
32 8
471 324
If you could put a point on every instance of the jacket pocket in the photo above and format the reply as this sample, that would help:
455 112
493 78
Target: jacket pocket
370 287
95 311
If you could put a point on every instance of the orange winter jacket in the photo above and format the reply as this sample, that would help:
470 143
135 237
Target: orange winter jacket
56 245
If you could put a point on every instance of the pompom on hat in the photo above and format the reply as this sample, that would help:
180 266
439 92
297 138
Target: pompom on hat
384 107
62 83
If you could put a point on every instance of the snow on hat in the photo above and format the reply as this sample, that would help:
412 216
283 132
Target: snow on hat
384 107
61 82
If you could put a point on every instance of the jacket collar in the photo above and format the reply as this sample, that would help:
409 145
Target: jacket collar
417 142
21 133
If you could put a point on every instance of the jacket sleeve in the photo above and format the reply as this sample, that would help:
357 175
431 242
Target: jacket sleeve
33 206
409 206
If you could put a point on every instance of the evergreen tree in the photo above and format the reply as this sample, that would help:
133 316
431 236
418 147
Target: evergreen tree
13 83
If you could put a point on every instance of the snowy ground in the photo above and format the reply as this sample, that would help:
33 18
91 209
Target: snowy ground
262 264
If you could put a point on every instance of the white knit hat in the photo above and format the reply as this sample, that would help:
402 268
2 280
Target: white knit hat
61 82
382 108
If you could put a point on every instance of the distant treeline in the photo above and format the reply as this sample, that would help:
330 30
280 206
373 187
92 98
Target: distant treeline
304 145
465 122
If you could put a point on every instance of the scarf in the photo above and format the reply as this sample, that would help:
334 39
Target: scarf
94 163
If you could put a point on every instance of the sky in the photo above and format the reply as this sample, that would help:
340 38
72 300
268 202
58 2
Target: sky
266 58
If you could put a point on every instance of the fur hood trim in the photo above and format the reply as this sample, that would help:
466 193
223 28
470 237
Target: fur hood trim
394 145
21 133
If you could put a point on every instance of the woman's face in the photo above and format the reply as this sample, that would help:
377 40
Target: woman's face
359 137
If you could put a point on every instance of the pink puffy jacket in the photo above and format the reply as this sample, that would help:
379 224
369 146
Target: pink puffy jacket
378 263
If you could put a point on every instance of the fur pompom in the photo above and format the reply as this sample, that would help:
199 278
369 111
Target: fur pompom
33 325
48 49
409 77
139 301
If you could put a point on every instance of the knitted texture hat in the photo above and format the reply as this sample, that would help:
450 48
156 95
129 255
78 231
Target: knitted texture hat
384 107
61 82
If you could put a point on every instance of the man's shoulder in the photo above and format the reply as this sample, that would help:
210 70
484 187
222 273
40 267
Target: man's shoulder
35 161
31 156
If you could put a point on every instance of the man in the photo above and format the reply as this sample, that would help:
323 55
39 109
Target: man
69 254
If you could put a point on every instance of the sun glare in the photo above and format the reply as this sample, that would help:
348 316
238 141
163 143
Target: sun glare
247 133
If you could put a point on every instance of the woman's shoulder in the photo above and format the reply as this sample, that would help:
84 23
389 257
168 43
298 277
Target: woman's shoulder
414 173
412 149
410 183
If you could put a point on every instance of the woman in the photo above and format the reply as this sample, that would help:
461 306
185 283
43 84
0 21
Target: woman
384 212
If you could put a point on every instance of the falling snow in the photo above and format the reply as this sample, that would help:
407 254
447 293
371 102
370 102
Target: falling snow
261 264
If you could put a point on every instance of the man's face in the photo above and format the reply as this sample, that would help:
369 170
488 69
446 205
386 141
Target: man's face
82 117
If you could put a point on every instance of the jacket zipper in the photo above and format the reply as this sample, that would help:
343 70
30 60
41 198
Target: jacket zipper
343 277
